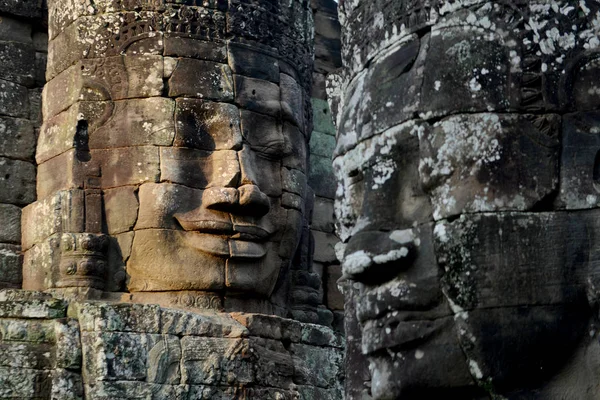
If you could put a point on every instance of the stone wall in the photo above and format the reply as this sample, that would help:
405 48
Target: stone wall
97 351
322 143
23 46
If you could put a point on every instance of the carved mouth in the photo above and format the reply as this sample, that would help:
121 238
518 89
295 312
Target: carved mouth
249 232
225 246
393 332
421 296
401 314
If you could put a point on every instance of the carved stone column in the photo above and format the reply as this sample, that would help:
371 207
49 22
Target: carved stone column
468 156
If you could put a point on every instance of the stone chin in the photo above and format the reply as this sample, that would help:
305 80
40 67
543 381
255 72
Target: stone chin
170 260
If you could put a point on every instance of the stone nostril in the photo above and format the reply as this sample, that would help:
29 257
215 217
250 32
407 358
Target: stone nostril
253 201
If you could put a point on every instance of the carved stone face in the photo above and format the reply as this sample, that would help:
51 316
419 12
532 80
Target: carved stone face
225 214
461 196
222 219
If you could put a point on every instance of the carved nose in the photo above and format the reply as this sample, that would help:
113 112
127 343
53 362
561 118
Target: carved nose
245 200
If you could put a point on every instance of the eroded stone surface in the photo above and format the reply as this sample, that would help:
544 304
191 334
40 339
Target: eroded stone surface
464 263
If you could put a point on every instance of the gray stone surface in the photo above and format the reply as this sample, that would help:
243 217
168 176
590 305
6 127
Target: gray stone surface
467 165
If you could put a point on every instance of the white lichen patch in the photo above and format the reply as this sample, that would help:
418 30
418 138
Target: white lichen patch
475 370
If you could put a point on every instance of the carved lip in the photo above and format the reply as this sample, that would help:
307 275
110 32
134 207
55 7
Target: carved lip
421 297
225 246
226 229
395 333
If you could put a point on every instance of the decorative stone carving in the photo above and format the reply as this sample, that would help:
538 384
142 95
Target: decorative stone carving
467 161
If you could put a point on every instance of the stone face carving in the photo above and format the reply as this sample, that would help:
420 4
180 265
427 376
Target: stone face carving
180 131
467 157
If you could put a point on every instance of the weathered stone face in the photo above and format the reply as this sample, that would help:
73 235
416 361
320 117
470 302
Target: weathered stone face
467 157
192 124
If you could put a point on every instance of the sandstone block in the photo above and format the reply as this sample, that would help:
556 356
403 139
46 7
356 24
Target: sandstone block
15 30
335 298
263 133
325 247
322 144
35 106
34 331
14 99
291 200
10 221
204 79
25 356
17 62
61 212
308 359
17 138
110 78
128 166
257 95
104 317
185 323
66 385
580 164
44 309
474 279
292 101
24 383
30 9
249 61
76 173
121 209
100 360
371 96
18 181
90 35
39 264
479 82
274 365
489 162
293 181
160 202
68 344
260 171
71 128
216 361
11 261
295 148
177 46
323 215
199 169
322 118
321 177
264 326
136 122
207 125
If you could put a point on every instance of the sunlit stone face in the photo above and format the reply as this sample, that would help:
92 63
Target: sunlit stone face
227 212
182 134
224 209
467 198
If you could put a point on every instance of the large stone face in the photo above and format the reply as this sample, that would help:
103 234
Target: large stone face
466 156
185 138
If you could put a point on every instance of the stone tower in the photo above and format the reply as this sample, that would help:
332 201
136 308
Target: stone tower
171 235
